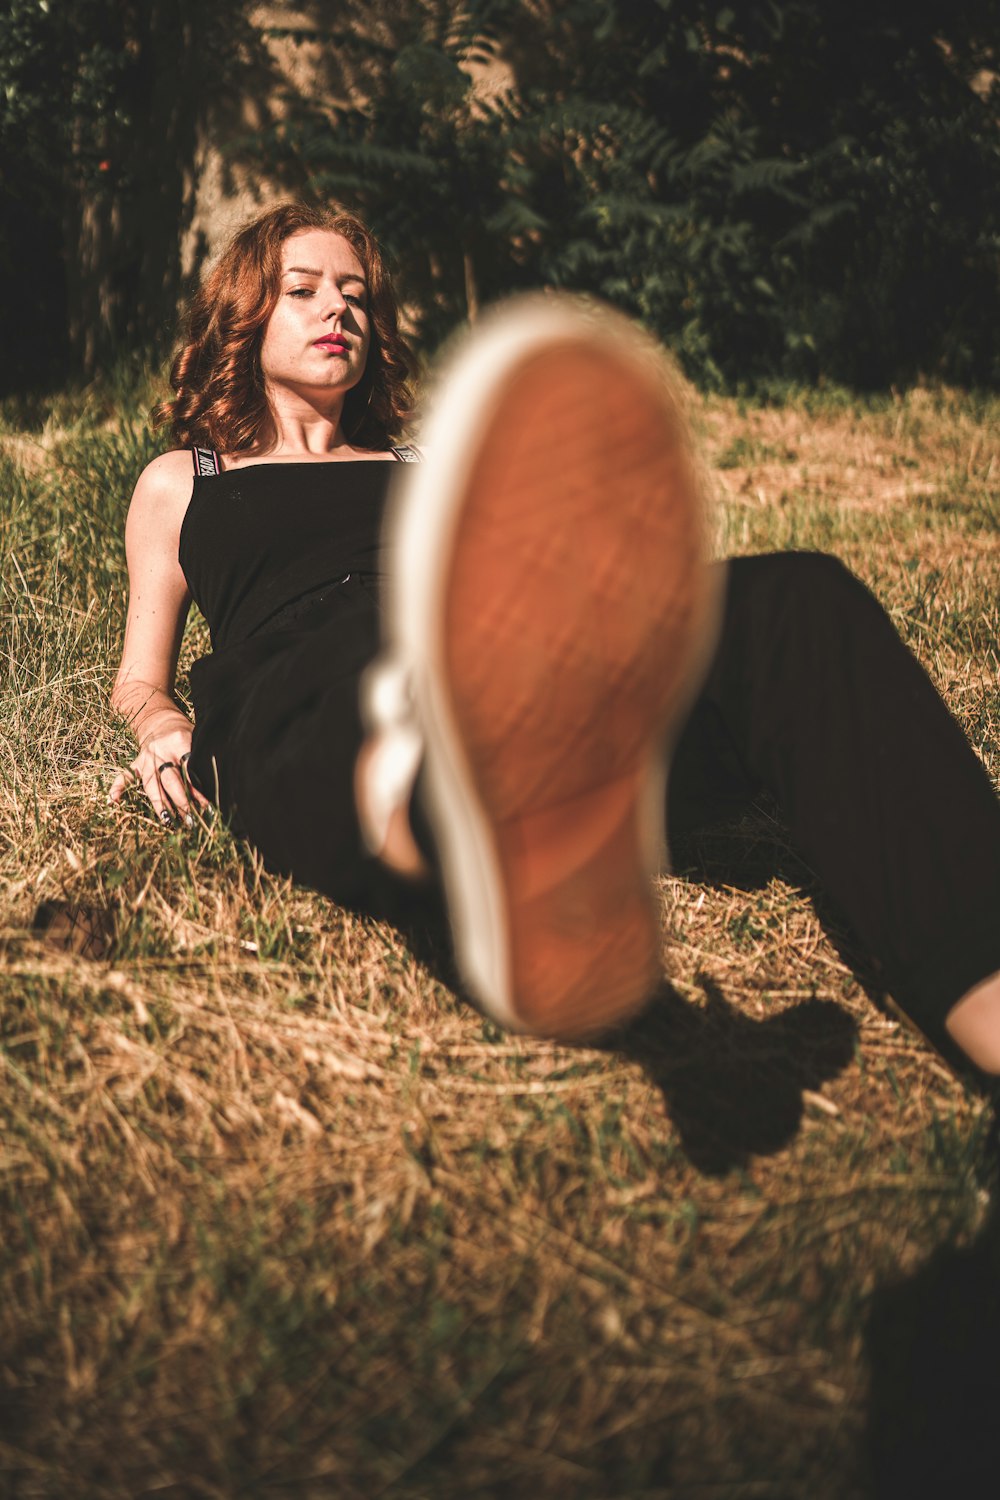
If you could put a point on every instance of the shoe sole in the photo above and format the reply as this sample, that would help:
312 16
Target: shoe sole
556 612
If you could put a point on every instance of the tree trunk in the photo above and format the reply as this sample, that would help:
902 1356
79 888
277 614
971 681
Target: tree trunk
184 65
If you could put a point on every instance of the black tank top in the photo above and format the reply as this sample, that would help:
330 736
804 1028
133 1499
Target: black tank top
256 540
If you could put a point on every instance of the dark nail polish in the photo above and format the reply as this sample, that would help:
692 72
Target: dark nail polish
164 816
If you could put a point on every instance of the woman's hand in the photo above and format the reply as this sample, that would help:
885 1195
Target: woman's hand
161 768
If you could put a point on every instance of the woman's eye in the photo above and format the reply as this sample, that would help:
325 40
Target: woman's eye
301 291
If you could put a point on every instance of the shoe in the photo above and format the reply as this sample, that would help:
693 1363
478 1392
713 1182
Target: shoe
550 615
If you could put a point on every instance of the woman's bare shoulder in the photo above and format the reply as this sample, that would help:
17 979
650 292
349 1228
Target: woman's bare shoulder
167 474
166 478
159 502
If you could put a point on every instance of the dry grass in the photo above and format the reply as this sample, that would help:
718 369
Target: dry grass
283 1217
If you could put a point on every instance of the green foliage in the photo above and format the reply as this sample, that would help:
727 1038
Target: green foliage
775 189
780 188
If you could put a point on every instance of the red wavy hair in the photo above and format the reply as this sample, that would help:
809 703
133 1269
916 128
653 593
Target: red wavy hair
219 400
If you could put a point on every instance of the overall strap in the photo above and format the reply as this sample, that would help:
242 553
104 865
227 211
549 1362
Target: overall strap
206 462
405 452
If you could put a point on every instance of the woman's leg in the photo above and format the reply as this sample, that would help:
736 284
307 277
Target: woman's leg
974 1023
813 697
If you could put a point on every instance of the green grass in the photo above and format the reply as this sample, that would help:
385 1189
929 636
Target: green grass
282 1217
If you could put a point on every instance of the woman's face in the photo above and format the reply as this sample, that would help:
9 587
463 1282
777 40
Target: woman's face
316 339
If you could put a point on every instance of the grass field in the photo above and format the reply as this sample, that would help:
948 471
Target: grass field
280 1216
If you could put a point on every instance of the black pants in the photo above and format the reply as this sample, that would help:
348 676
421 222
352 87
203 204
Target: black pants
813 698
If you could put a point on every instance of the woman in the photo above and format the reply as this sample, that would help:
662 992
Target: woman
552 625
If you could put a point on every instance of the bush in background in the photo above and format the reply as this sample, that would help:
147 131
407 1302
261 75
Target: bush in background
778 189
781 190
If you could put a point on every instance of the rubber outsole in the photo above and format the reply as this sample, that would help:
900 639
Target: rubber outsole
555 611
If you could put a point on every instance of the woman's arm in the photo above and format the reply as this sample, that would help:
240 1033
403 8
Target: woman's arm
157 609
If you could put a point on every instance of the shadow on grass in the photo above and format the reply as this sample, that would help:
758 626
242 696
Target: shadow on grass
732 1084
933 1347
